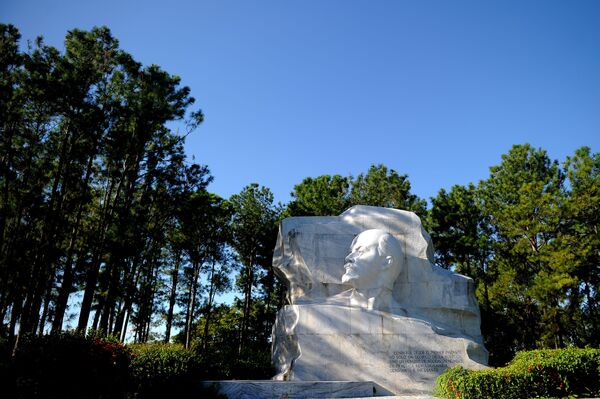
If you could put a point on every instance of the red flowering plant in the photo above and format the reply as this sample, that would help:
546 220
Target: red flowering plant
70 365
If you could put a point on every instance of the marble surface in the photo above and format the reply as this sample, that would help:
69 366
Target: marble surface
400 353
310 257
391 397
293 389
366 303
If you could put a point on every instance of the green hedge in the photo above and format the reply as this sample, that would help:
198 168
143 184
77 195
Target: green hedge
68 365
533 374
166 370
251 364
71 365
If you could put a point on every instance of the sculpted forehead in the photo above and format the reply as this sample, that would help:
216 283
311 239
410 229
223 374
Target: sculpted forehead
385 242
367 238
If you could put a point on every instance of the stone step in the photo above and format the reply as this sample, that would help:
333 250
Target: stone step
388 397
269 389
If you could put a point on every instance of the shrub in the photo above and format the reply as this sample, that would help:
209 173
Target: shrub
251 364
69 365
5 363
539 373
167 369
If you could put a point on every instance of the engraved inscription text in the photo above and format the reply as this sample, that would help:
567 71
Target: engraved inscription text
423 361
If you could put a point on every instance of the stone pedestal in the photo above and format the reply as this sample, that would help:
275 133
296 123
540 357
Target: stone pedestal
257 389
367 303
402 354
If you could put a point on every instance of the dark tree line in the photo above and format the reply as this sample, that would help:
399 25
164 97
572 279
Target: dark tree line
528 236
106 225
330 195
103 218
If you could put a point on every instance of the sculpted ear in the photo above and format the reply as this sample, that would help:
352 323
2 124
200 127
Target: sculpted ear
387 262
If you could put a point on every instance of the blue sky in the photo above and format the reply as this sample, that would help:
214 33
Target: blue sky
438 90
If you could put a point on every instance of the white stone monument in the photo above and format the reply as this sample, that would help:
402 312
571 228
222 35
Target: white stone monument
366 303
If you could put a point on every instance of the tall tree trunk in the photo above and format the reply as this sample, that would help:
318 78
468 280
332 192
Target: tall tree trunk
114 274
42 267
12 279
172 295
46 306
14 318
93 272
123 335
188 304
192 304
153 285
138 275
114 270
130 283
211 293
247 304
96 319
67 281
111 318
268 302
5 162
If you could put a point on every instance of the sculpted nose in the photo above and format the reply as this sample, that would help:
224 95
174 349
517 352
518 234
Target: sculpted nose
349 258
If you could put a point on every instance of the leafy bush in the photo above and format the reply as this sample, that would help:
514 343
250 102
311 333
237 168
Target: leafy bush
227 364
166 369
5 363
252 365
532 374
69 365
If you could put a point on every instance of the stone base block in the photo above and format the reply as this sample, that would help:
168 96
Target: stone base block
268 389
401 354
392 397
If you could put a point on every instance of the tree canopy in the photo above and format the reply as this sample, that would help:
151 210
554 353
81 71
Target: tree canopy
106 224
528 236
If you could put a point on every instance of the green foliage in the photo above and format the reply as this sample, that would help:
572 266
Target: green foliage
96 195
252 364
249 364
70 365
218 345
531 374
460 231
523 197
90 178
578 244
329 195
203 232
383 187
321 196
254 221
528 236
5 363
254 233
167 370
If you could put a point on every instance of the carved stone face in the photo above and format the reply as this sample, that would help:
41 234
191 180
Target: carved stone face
365 264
